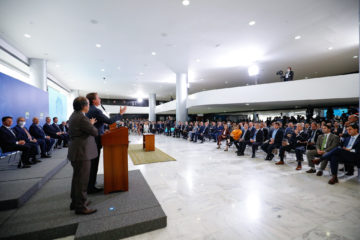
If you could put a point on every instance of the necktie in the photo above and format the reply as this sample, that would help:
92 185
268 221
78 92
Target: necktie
28 134
12 132
324 142
350 144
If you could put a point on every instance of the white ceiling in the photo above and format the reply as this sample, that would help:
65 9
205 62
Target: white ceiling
216 32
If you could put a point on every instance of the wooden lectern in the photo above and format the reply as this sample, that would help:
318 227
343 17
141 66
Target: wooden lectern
148 142
115 143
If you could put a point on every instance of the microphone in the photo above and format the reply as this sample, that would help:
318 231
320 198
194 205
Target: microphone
103 107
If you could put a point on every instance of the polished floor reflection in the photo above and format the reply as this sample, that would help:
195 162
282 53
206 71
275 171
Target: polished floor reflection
211 194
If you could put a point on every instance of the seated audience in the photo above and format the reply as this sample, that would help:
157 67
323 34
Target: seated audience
62 133
325 143
275 141
38 133
348 153
23 134
243 140
225 134
193 132
298 142
64 127
53 133
257 140
313 134
235 134
10 143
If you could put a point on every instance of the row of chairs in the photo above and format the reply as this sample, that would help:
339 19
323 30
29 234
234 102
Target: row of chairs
11 160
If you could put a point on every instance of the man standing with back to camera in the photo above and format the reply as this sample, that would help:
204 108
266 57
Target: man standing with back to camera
101 118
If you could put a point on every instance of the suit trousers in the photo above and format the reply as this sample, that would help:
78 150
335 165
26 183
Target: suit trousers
343 156
311 154
268 148
255 146
94 165
79 183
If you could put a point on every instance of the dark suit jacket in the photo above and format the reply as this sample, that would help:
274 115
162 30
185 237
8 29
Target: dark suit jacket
56 127
82 144
300 138
63 129
50 130
356 145
259 138
7 139
246 135
21 134
37 132
252 132
94 112
332 142
278 136
337 131
290 77
317 134
266 133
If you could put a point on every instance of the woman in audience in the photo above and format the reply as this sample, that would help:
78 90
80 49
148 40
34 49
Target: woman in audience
225 134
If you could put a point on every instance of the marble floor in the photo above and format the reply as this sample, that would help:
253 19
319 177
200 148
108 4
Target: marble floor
211 194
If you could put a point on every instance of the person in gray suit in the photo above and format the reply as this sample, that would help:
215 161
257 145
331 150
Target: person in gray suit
82 148
325 143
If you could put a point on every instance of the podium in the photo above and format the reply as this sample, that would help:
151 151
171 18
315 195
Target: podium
148 142
115 144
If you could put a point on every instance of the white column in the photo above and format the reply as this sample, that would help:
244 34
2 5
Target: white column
38 72
152 106
181 96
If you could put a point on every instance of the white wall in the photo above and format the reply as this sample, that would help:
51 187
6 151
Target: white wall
129 110
326 88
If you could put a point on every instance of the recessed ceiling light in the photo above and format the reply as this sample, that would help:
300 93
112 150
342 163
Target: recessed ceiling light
141 73
297 37
153 53
198 60
98 45
103 70
330 48
252 23
201 79
186 2
27 35
355 56
247 104
226 82
204 89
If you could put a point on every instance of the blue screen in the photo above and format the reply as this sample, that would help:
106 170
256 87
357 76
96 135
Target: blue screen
19 99
57 105
337 111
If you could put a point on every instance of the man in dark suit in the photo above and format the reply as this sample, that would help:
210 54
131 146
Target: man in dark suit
23 134
64 127
101 119
38 133
324 144
63 135
289 75
199 134
82 149
257 140
52 132
243 141
313 136
9 143
297 141
276 136
348 153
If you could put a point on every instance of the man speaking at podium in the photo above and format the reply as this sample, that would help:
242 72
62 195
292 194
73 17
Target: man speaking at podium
101 118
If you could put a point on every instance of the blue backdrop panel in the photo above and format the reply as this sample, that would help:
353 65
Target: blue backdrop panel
57 105
21 99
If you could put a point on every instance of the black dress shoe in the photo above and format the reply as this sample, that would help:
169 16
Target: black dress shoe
95 190
253 156
45 156
25 166
349 173
311 170
85 211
